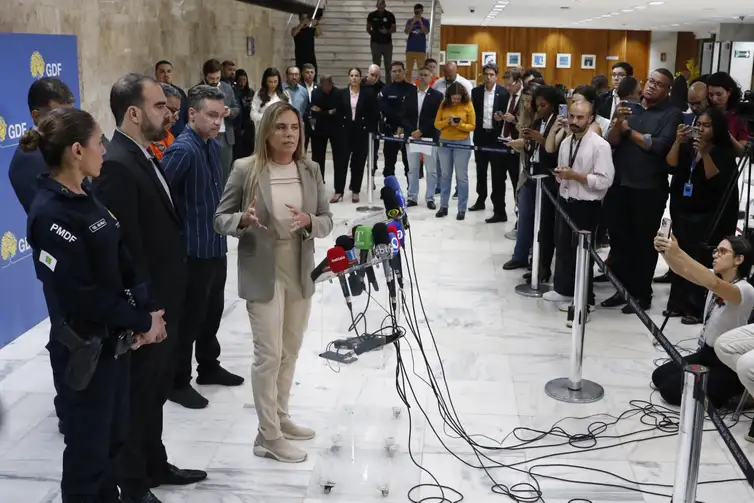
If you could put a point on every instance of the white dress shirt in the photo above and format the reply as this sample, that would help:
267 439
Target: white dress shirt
309 88
420 96
594 158
489 104
442 85
152 160
616 100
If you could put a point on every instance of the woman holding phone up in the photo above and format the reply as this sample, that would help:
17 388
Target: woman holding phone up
455 120
702 161
730 298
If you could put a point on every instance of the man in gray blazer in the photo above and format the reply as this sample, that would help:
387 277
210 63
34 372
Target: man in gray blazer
212 71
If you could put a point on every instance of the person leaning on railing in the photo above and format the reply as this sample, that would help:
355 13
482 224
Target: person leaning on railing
730 300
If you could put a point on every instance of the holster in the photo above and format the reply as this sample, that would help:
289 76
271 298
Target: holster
83 358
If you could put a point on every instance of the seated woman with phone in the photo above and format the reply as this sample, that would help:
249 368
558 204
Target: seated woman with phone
730 299
702 162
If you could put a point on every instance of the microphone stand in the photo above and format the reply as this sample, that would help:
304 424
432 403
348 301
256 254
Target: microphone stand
370 180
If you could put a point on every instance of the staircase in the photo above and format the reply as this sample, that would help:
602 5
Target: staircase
344 43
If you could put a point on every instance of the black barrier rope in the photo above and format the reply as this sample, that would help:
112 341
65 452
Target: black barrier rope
441 143
670 349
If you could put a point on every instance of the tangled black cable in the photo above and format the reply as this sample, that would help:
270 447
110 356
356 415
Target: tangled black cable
657 417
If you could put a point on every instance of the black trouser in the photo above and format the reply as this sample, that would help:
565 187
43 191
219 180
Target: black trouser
202 312
586 215
722 382
547 228
488 138
391 149
376 154
307 135
355 152
319 148
383 52
144 457
95 427
636 216
690 230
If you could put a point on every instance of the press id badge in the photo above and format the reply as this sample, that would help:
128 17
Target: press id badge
688 189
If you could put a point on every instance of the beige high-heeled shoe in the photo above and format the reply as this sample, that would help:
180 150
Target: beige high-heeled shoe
336 198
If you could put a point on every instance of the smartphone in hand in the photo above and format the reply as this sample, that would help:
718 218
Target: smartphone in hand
665 227
563 110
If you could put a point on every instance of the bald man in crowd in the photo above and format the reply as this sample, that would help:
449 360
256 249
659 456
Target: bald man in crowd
451 76
697 97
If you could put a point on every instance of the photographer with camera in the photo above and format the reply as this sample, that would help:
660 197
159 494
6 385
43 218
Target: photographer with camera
730 298
702 161
725 95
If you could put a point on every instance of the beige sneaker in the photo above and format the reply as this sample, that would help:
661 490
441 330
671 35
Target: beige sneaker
292 431
279 450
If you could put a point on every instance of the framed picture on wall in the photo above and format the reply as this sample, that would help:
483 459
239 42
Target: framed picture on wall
588 61
563 61
513 59
539 60
489 57
442 58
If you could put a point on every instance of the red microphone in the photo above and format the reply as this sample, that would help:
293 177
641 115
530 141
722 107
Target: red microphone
338 261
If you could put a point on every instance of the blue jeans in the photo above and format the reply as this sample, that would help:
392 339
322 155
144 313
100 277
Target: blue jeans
430 170
525 230
458 159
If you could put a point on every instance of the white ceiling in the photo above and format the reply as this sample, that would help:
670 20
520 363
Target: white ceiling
668 15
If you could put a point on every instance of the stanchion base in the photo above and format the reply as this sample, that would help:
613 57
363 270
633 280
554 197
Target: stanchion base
511 235
560 391
364 209
527 291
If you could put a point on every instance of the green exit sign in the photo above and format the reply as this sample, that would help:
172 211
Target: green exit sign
462 52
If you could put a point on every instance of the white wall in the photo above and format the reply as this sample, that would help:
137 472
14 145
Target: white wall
662 41
741 68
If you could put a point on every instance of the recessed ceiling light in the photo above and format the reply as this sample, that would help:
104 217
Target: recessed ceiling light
656 3
587 20
627 10
639 7
615 13
675 24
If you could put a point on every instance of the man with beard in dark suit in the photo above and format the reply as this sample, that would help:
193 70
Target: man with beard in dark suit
133 187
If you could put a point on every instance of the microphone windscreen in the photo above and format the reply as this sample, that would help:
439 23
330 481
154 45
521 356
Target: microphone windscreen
399 231
392 182
395 245
380 235
336 258
392 206
344 242
362 237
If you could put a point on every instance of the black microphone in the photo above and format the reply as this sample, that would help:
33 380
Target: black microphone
383 251
392 205
355 279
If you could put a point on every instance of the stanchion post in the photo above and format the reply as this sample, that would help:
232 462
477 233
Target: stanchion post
574 389
690 434
370 181
534 289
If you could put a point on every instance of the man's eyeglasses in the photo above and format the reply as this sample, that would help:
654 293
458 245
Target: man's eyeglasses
721 252
656 83
174 111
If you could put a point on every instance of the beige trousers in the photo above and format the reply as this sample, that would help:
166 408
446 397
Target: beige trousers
736 350
414 59
278 330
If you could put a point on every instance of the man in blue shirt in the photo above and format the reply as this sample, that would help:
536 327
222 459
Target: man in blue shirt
298 93
194 171
416 44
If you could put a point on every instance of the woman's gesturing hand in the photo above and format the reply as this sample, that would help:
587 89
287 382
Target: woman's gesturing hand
249 217
300 219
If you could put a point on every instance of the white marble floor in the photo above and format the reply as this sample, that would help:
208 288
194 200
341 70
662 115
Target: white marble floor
498 350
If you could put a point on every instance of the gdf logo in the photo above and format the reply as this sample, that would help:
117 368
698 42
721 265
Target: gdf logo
39 68
10 247
12 131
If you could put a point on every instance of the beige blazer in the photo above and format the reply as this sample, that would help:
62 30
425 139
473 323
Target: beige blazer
256 247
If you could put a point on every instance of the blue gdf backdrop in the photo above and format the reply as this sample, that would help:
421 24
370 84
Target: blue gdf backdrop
24 59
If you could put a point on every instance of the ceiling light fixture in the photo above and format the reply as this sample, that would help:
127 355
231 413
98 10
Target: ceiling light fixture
639 7
655 3
627 10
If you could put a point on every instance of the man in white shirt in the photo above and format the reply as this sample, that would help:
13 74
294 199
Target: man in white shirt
609 101
451 76
585 171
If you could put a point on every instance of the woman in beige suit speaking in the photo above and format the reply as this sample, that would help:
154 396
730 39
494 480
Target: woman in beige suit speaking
275 204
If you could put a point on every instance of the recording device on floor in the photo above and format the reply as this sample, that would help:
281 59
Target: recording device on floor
665 227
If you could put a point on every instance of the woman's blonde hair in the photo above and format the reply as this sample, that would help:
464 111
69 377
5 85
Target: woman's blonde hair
261 158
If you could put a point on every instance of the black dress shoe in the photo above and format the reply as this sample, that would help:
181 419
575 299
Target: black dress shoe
497 218
513 264
442 212
544 277
690 320
219 376
431 205
477 206
174 476
461 215
61 427
411 204
614 301
644 304
671 313
188 397
149 497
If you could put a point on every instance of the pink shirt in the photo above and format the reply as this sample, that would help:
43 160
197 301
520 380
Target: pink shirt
354 102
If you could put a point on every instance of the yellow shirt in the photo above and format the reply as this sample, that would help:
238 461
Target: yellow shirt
460 131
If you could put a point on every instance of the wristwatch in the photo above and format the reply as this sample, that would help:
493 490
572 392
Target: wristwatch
647 140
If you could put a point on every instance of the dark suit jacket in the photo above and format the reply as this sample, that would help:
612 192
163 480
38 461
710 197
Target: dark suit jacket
426 121
152 230
500 105
325 122
605 105
367 110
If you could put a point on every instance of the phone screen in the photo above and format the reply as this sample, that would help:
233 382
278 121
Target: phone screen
563 110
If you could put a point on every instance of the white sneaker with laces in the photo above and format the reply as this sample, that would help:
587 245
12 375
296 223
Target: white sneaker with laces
553 296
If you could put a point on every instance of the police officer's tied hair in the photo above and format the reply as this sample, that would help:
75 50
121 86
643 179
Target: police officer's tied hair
56 132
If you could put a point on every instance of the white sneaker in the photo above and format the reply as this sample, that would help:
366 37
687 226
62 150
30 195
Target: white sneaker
553 296
569 323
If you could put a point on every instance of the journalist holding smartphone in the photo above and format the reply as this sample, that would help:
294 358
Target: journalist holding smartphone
455 120
701 161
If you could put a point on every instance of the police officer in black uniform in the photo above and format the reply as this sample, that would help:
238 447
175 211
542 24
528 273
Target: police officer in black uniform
103 311
391 103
